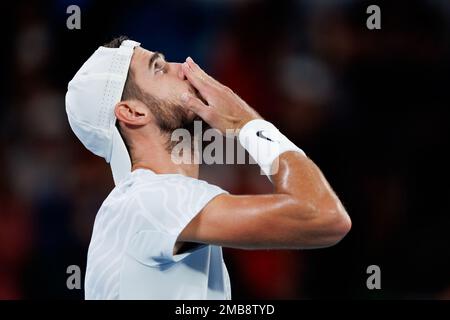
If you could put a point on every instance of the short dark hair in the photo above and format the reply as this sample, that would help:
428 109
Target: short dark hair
116 42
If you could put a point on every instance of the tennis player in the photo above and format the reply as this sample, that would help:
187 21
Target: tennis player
160 232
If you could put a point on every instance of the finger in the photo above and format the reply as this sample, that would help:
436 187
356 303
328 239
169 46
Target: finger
196 68
195 105
199 82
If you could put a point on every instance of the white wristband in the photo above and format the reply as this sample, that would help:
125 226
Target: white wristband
264 142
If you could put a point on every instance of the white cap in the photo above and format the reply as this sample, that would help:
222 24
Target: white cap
91 97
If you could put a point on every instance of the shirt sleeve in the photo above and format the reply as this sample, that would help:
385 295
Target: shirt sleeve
168 206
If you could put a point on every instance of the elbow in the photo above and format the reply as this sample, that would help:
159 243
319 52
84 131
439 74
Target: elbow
323 226
337 224
329 228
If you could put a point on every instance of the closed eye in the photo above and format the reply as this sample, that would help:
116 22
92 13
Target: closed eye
157 63
160 66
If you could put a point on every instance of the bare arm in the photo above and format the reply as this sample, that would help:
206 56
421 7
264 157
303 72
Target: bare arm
302 212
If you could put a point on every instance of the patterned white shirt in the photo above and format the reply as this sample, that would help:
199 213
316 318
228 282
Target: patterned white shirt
131 250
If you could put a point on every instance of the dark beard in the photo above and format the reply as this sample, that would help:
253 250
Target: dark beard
170 116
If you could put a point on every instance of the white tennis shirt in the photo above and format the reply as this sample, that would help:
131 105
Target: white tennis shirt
130 255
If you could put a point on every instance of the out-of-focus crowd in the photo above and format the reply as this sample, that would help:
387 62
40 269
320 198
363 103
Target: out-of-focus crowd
370 107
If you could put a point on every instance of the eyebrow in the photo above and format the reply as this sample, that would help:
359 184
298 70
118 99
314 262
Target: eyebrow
156 55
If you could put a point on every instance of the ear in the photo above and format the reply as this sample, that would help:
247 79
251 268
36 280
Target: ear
132 112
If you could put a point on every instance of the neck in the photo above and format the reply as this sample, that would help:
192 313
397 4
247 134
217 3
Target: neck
185 170
152 154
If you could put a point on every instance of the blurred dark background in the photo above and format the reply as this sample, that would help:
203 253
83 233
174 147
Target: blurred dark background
370 107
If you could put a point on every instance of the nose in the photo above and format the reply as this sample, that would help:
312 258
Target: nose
177 69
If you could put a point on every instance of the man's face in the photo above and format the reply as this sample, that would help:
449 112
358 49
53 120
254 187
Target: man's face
165 83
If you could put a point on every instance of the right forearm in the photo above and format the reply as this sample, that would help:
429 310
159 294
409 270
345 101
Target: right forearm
299 177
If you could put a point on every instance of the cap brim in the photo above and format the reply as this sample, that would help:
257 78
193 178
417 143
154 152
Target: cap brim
120 160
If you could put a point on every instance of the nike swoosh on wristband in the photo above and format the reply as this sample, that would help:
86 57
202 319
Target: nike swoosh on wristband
260 134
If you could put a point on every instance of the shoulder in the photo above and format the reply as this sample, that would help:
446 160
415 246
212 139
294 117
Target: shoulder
145 180
145 188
